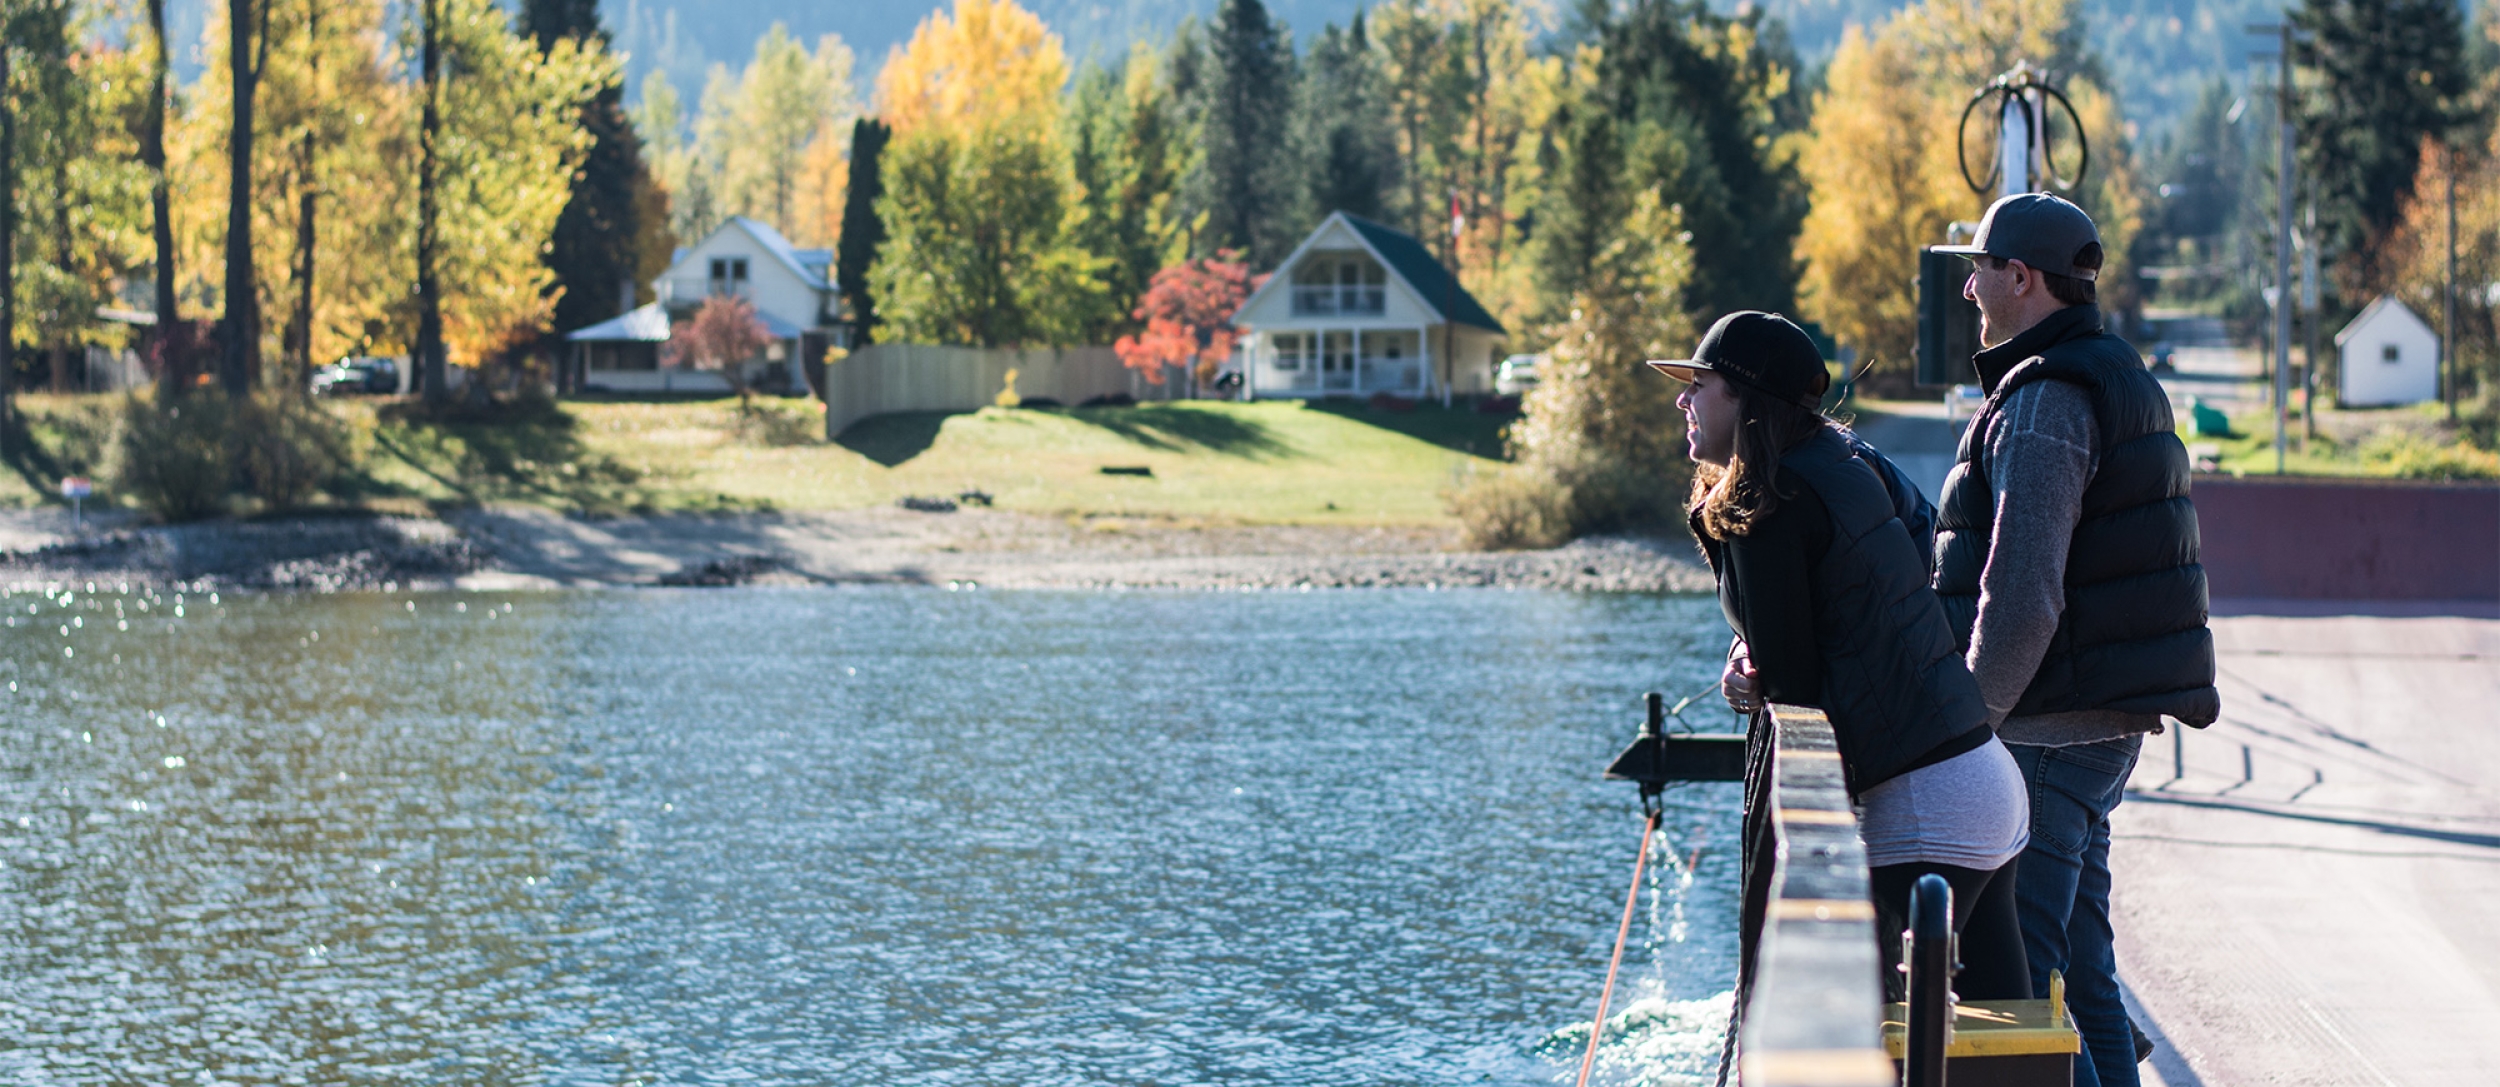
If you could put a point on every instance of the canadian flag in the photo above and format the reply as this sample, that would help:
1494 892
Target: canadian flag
1458 218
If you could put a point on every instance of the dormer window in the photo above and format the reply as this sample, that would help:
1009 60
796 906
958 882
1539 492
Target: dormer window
729 275
1332 283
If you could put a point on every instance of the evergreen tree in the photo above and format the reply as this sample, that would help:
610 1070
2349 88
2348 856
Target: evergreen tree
863 233
1247 178
598 251
1342 126
1583 205
2387 74
1695 93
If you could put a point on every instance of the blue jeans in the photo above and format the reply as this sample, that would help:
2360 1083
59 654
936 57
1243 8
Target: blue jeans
2061 894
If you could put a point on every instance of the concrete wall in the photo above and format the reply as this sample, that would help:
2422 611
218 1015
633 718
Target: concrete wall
888 377
2349 540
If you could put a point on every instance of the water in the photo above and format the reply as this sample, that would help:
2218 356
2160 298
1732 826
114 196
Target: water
889 836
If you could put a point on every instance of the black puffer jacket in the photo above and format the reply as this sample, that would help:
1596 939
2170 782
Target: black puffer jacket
1832 601
2132 637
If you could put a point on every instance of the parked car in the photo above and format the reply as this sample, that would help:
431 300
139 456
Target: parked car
356 375
1517 374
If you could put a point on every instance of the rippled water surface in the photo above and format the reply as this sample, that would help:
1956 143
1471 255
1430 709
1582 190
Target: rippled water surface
866 836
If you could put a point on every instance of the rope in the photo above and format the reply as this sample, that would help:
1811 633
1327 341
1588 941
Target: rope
1623 932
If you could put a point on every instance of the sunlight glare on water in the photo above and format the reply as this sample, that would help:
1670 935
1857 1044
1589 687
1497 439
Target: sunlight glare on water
890 835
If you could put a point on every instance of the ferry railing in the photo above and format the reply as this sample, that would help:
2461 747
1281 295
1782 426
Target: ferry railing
1811 986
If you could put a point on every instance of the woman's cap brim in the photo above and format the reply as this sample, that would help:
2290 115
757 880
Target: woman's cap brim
1679 369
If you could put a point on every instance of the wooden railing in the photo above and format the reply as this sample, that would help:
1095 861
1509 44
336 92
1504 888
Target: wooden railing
1814 1008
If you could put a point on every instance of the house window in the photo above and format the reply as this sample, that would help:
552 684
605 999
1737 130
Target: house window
729 275
2391 354
1291 347
1326 284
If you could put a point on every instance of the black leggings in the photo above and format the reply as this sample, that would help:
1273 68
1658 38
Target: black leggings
1994 966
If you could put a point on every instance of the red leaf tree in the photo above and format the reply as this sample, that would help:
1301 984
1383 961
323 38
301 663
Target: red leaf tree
723 335
1188 309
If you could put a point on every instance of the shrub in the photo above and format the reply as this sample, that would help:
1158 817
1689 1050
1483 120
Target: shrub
1600 444
1511 508
289 448
2412 455
174 459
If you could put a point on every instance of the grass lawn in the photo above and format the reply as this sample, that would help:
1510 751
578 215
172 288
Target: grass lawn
2414 442
1265 462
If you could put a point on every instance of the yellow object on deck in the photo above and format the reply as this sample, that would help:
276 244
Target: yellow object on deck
2002 1043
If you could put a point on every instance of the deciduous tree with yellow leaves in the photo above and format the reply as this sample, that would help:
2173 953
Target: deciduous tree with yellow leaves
1884 174
977 190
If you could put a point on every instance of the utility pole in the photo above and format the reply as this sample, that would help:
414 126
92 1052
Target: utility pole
2448 291
2282 235
2309 302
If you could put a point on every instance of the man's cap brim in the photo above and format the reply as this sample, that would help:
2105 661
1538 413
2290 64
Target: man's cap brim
1679 369
1961 250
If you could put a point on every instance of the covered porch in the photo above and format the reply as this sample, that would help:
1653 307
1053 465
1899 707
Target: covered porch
1353 361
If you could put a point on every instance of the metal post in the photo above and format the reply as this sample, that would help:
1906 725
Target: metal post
2014 140
2309 302
1930 951
2448 292
2283 247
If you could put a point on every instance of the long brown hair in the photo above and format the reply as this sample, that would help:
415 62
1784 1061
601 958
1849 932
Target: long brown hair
1732 500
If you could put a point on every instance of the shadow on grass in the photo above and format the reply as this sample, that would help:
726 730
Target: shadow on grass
1459 428
1177 427
896 437
528 451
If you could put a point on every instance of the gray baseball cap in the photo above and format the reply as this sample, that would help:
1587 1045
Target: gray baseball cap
2038 229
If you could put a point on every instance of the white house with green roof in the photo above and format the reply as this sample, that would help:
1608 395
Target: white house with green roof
1361 308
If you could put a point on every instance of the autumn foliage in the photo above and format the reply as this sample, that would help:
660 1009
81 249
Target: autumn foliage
1188 309
723 335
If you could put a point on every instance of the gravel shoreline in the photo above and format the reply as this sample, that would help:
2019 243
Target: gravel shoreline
524 548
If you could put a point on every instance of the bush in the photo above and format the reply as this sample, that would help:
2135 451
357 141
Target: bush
182 460
175 459
1511 509
2412 455
289 448
1600 446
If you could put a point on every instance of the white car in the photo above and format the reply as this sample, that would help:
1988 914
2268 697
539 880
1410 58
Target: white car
1516 374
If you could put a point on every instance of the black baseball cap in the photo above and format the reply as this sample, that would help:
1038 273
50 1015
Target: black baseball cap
2038 229
1764 351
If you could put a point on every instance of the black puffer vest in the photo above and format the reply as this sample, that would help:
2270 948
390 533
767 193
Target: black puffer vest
2133 637
1893 686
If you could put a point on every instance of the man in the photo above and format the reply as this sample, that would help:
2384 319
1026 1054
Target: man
2066 556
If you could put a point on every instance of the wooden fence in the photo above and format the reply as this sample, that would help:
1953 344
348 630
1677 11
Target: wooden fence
891 377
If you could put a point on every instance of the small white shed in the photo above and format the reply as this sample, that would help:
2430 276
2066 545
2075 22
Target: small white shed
2387 355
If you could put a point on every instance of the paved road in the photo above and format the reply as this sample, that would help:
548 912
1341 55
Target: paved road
2317 899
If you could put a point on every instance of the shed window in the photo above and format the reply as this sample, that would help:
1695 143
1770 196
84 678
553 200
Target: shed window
2391 354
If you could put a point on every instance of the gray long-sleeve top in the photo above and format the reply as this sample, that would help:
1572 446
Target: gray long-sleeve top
2038 456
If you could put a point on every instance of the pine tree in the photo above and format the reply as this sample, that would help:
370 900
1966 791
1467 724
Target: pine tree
598 252
1695 92
1342 127
1247 177
2387 74
862 232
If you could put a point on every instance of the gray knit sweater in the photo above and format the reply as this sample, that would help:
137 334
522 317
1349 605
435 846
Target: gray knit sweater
2038 456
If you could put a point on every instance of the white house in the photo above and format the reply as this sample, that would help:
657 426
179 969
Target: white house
792 290
1361 308
2386 356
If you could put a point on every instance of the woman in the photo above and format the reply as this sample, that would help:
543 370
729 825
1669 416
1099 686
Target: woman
1831 606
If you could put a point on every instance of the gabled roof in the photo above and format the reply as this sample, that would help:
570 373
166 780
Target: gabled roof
648 324
2372 312
791 257
1413 263
1405 258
